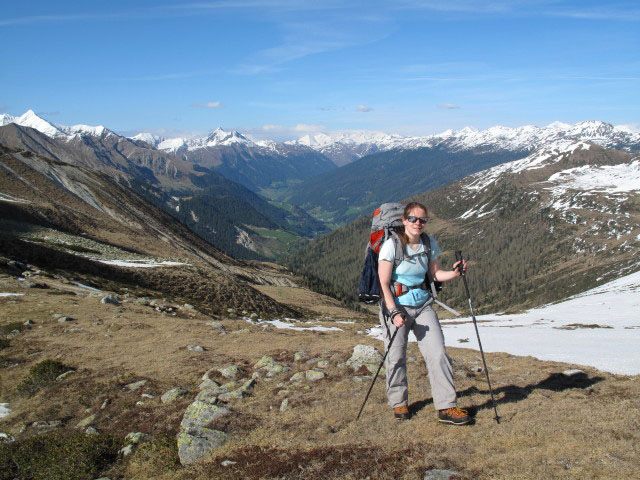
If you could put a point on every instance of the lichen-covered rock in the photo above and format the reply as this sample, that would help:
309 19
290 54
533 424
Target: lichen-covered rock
87 421
132 387
314 375
196 443
135 437
172 395
299 355
298 377
195 348
230 371
208 395
323 364
270 366
199 414
364 355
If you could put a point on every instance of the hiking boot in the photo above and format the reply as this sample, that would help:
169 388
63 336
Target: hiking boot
455 416
401 413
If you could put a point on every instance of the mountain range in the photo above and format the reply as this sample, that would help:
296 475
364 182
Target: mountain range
206 181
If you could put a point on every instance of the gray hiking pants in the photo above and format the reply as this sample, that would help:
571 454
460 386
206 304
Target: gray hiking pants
424 323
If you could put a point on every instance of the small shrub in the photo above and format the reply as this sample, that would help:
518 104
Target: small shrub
58 455
10 327
40 375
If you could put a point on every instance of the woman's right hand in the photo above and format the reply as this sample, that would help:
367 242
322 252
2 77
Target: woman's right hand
398 320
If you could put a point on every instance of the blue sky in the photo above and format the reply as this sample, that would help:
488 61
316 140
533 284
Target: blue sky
280 69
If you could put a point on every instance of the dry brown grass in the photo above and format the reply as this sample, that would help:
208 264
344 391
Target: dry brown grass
552 426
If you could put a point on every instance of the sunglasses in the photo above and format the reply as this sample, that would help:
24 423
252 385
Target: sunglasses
412 219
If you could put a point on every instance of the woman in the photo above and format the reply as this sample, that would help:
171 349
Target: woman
411 310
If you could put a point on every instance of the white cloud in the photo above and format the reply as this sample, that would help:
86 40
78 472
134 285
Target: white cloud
364 108
448 106
282 133
208 105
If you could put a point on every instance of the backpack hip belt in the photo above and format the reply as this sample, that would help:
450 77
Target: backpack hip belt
399 289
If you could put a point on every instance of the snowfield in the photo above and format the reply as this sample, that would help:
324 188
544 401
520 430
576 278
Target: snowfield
598 328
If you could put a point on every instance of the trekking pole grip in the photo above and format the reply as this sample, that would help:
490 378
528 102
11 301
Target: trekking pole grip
459 259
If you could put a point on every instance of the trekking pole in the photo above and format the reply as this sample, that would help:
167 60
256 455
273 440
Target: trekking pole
473 316
376 376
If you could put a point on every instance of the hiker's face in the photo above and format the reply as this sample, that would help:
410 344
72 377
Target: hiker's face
415 228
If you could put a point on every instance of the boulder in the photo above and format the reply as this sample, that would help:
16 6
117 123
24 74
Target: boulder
314 375
172 395
230 371
195 348
442 475
111 300
199 414
196 443
270 366
87 421
132 387
364 355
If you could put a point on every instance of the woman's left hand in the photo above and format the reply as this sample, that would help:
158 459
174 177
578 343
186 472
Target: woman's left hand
457 264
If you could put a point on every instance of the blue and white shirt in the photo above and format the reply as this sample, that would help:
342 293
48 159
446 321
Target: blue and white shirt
411 271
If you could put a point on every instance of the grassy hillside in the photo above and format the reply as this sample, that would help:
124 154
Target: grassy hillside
344 194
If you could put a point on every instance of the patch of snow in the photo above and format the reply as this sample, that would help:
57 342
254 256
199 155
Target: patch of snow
5 197
140 263
607 178
87 287
4 410
11 294
290 326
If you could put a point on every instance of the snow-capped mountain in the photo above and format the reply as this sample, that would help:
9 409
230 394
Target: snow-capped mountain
52 130
343 145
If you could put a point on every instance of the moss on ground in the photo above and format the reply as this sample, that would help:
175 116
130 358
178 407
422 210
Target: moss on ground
58 455
40 375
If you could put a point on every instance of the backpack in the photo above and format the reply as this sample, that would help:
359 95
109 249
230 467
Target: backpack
385 220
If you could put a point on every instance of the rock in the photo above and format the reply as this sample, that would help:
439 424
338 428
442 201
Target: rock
200 414
572 372
253 316
314 375
364 354
231 311
284 405
242 330
105 404
229 372
228 463
188 306
208 384
323 364
196 443
87 421
298 377
362 378
111 300
299 355
29 322
132 387
65 319
208 396
271 367
195 348
134 438
147 395
47 426
441 475
215 325
91 431
128 450
65 375
173 394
